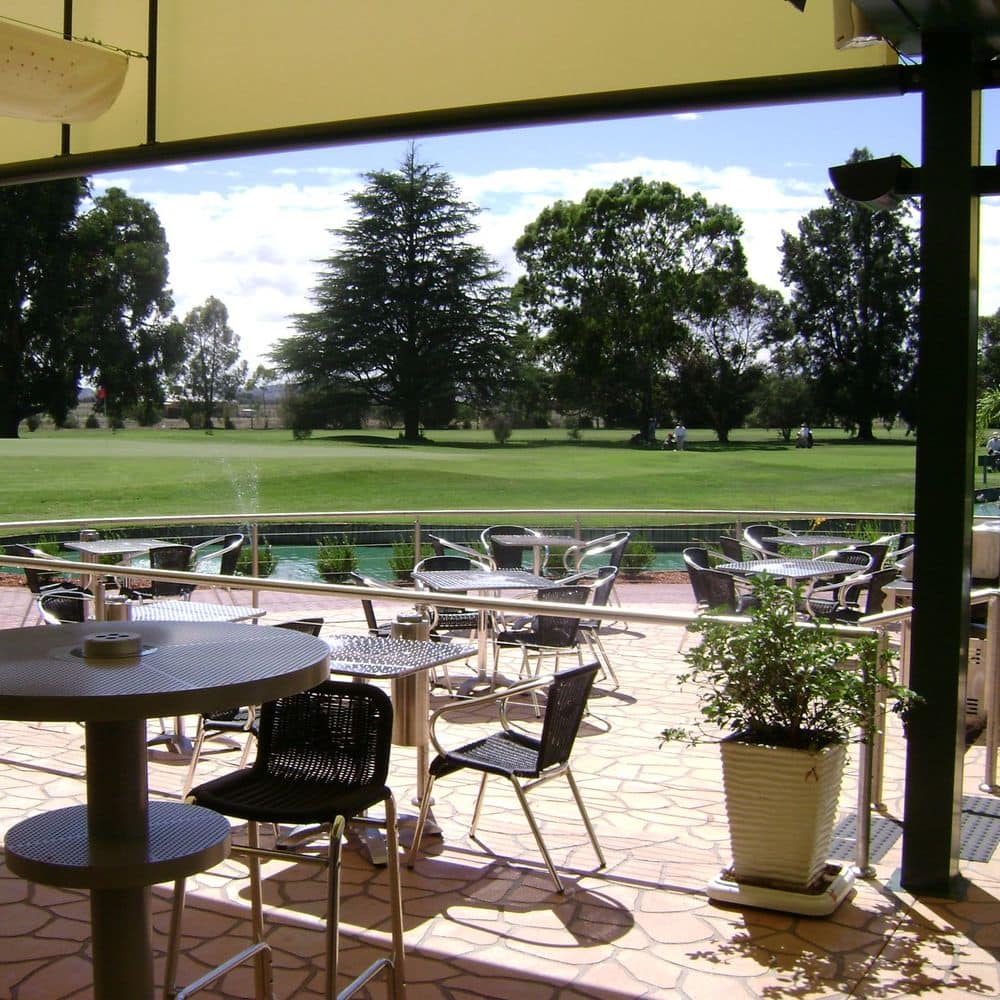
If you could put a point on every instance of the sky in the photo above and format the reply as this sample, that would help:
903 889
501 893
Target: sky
251 230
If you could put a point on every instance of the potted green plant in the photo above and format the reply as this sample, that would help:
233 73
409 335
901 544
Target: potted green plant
266 560
788 698
402 560
336 559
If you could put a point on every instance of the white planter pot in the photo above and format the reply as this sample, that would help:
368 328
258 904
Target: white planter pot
782 805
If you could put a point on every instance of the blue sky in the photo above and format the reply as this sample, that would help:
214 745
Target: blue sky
249 230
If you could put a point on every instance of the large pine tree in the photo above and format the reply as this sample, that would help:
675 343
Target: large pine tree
407 309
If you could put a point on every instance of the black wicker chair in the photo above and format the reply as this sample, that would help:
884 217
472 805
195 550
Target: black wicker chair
323 759
732 548
546 634
505 556
713 589
176 557
518 756
590 628
39 580
754 535
67 604
840 602
230 722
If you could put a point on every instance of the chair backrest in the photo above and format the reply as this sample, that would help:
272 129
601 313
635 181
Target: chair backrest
35 578
366 605
754 534
171 557
59 606
442 546
338 733
308 626
732 548
875 597
504 556
565 705
613 546
556 630
856 557
230 554
711 587
600 591
876 550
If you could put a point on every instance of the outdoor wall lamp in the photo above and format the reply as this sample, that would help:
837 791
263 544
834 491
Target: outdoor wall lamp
884 183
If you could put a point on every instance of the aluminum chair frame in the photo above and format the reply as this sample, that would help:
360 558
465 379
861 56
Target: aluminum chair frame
566 703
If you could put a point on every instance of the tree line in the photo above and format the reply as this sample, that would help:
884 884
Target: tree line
634 307
84 295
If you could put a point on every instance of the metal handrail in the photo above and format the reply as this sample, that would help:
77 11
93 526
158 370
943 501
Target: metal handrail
870 756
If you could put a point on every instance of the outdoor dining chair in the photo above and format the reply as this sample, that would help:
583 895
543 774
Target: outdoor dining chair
39 580
842 602
176 557
62 605
219 556
506 556
242 721
445 546
713 589
545 634
526 761
323 759
754 536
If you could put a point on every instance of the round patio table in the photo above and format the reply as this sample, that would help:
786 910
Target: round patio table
120 844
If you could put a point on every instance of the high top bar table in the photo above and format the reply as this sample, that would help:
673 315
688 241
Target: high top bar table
120 843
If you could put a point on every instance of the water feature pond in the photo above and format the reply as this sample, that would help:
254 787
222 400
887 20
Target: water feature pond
298 562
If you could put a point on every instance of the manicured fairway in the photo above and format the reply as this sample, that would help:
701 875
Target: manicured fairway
135 472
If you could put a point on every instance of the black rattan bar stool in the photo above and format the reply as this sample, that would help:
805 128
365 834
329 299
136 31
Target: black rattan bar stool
322 759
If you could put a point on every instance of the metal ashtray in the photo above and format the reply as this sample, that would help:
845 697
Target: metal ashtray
112 645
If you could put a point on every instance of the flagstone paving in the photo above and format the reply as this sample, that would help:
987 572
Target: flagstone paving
482 917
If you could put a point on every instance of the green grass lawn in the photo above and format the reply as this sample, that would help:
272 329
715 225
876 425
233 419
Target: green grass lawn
79 473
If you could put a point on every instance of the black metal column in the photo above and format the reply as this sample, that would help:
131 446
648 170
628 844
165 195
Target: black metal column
944 464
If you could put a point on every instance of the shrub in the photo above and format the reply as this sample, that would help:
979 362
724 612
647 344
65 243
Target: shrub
502 427
265 560
92 423
69 423
34 422
402 559
335 559
638 557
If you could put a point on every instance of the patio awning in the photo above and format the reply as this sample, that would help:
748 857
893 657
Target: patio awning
220 78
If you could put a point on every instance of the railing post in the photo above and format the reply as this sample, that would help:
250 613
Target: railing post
871 747
417 542
254 560
992 694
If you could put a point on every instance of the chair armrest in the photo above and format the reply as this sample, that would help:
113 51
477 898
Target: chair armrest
498 698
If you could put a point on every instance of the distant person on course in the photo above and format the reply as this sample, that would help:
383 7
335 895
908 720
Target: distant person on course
680 433
805 437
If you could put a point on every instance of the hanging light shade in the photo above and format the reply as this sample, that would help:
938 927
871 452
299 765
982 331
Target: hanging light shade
44 77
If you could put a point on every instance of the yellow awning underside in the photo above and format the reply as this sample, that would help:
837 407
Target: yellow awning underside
226 68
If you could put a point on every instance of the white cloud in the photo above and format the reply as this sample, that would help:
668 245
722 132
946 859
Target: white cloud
255 245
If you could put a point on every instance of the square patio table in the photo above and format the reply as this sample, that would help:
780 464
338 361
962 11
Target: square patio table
536 543
463 581
791 570
92 550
